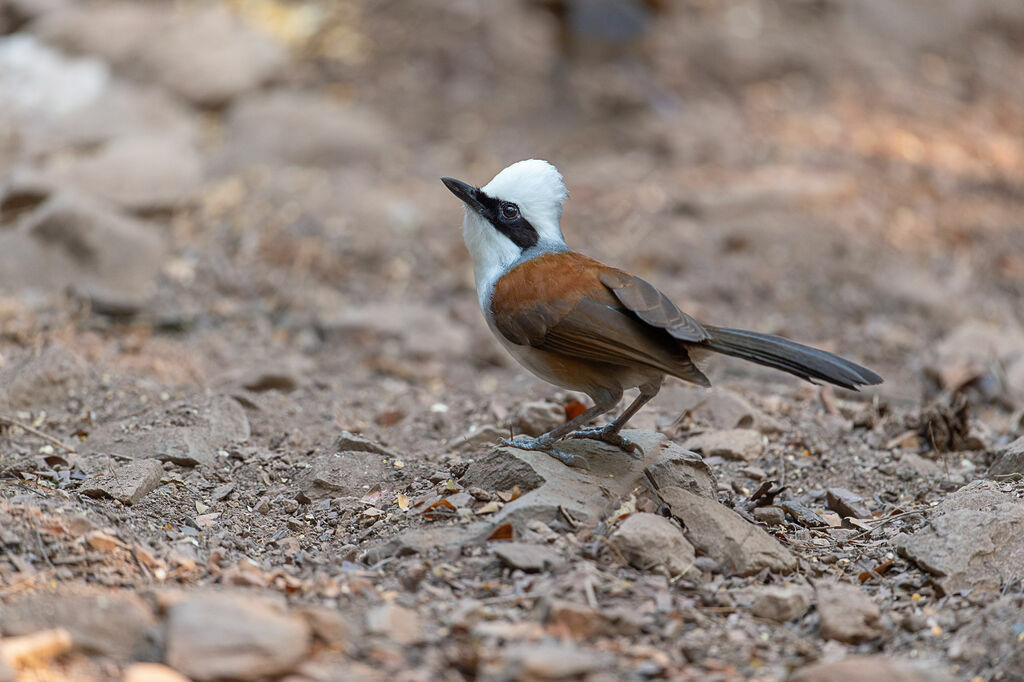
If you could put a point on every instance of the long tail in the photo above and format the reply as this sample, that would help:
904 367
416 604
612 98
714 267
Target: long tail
779 353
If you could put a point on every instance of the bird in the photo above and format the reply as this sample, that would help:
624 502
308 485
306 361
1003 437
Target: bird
589 327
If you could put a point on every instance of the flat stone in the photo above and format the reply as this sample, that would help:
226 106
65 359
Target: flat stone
588 495
718 407
846 503
329 625
351 442
73 241
527 557
416 540
344 474
396 623
545 661
991 640
152 672
303 128
741 444
538 417
650 541
781 603
973 543
128 483
771 515
501 469
846 613
679 468
803 514
141 172
871 669
485 435
1009 460
41 378
236 636
112 623
188 433
739 547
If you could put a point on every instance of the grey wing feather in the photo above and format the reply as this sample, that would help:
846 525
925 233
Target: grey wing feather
653 307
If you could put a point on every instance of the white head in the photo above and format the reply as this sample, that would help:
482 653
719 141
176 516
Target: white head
519 210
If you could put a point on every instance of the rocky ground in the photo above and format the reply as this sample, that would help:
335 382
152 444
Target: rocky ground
248 408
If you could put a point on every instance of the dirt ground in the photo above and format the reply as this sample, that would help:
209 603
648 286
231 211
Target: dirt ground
249 407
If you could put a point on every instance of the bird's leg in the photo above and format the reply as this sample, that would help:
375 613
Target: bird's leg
609 433
545 442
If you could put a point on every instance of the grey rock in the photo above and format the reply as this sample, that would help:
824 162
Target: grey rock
803 514
122 110
912 464
71 241
116 624
127 483
871 669
187 433
1009 460
303 129
329 626
41 378
351 442
720 408
417 540
781 604
528 557
396 623
650 541
588 496
236 636
975 496
846 613
990 641
676 467
538 417
846 503
739 547
971 549
771 515
115 32
143 172
549 662
501 469
344 473
209 57
741 444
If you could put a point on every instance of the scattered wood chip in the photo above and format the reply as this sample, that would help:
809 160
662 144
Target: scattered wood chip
504 532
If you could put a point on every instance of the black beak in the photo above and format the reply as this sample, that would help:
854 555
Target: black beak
467 193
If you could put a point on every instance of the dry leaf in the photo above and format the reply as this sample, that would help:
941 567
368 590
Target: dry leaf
574 409
489 508
402 501
504 532
438 507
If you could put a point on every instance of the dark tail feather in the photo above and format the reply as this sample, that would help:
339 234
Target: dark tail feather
779 353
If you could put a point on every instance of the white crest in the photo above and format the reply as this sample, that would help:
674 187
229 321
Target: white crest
537 188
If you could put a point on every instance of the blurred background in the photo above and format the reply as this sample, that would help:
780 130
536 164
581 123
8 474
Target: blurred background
222 233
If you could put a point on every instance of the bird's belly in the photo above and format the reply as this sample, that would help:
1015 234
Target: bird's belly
579 375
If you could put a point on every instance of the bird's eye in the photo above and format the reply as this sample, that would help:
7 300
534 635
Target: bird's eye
510 211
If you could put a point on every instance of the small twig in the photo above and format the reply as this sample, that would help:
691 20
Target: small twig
36 432
884 522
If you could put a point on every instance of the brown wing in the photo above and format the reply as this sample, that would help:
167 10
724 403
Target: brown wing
562 305
653 307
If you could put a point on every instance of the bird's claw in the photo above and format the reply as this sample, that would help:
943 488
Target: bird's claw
547 446
607 435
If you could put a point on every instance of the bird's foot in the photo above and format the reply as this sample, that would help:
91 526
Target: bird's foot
547 445
606 434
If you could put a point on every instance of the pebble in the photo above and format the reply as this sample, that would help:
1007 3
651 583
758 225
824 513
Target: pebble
739 547
152 672
128 483
846 613
870 669
771 515
538 417
846 503
237 636
527 557
781 604
395 622
650 541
